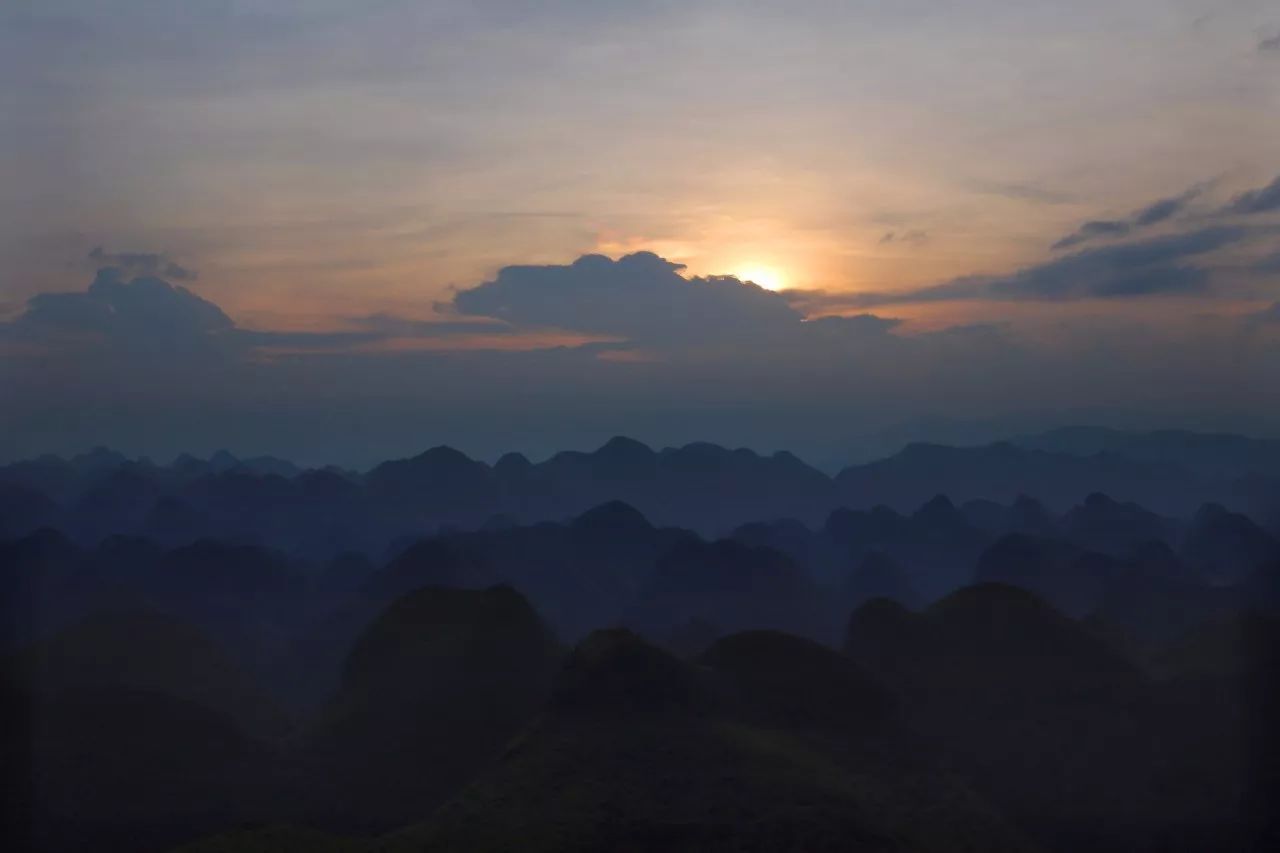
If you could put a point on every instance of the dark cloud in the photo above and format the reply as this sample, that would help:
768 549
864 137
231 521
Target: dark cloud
390 325
702 358
1152 214
652 311
146 314
1270 45
641 297
142 264
1268 315
1163 209
1151 267
1093 229
1269 264
857 323
367 330
132 311
1262 200
911 237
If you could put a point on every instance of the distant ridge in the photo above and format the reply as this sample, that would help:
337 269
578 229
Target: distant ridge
701 486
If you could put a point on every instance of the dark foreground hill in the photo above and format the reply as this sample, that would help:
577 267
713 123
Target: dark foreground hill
1078 743
987 721
642 751
130 730
431 692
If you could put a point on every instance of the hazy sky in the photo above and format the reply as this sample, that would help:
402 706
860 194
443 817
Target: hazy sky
1041 206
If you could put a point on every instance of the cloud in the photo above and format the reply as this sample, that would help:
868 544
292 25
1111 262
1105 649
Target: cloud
143 316
911 237
858 322
1152 267
1152 214
647 307
640 297
126 311
1261 200
1266 317
391 325
1268 264
1093 229
376 332
718 360
142 264
1270 45
1163 209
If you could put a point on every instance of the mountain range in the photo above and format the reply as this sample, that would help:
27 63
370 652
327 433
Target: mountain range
993 648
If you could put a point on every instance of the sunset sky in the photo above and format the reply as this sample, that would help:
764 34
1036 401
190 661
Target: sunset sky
1021 211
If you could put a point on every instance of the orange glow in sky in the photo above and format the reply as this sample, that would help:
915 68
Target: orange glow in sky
767 277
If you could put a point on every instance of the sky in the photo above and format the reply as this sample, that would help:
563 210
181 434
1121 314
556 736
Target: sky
343 232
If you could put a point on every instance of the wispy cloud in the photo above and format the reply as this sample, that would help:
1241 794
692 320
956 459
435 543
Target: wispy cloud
142 264
912 238
1152 214
1152 267
1261 200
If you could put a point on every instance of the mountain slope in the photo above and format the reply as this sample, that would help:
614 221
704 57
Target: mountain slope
641 751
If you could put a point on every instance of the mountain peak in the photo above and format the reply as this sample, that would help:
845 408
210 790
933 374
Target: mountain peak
512 462
622 447
613 516
615 671
444 454
938 505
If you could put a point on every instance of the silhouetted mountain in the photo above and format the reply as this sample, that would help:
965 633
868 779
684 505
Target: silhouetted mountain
24 510
430 694
119 769
1001 472
988 516
1225 547
615 673
441 484
39 586
581 575
139 733
1261 587
145 651
700 486
1221 680
728 584
97 460
612 519
784 681
1028 515
787 536
1106 525
935 546
1048 719
641 751
1074 579
877 575
431 562
1107 685
1209 454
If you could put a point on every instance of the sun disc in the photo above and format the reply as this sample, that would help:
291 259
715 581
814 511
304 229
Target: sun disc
769 279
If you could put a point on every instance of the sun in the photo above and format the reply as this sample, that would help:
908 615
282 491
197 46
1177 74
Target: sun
766 277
